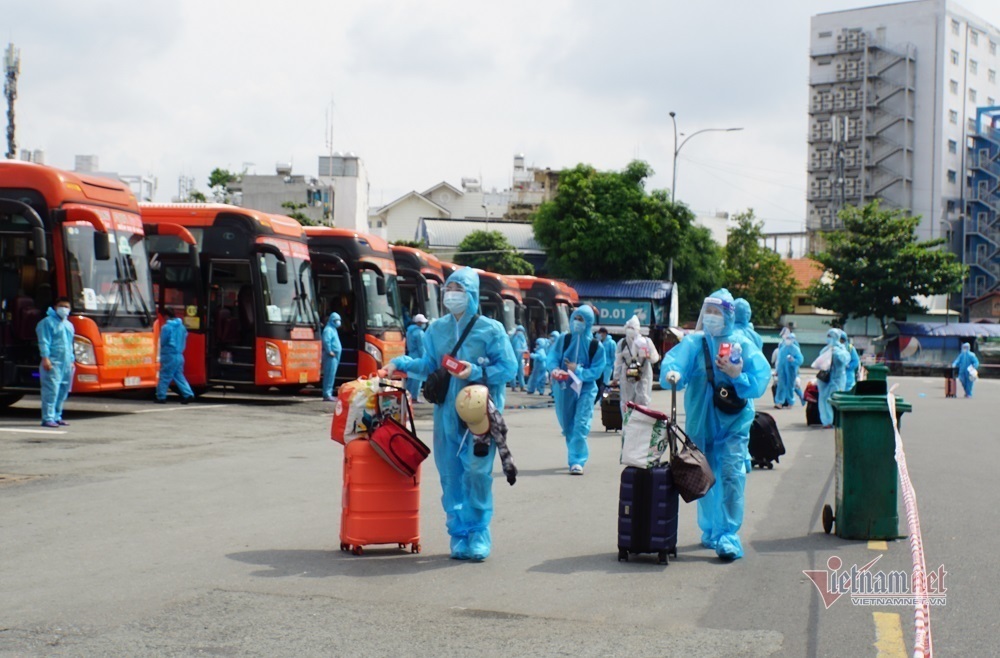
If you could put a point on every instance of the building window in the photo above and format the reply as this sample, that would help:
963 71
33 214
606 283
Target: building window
952 176
992 75
974 37
952 116
993 47
955 27
952 146
953 86
825 35
972 95
971 125
954 57
951 206
973 66
991 101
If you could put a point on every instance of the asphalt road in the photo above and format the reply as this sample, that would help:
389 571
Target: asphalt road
212 529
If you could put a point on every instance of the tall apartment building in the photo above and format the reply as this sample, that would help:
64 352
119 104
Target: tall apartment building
977 235
893 96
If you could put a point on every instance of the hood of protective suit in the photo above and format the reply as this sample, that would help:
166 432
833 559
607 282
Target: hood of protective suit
541 343
632 323
587 314
965 347
843 337
727 307
333 319
468 279
519 329
742 312
833 336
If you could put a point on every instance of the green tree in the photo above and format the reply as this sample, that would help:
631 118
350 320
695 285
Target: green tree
875 266
604 225
490 250
416 244
218 181
754 272
293 209
195 196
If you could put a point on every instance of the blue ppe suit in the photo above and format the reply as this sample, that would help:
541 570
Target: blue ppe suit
575 412
742 322
788 363
536 381
331 353
519 343
466 480
838 375
852 363
553 337
55 343
414 349
965 359
722 437
173 340
610 348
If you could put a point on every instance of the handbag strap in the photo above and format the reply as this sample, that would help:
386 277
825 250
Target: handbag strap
406 401
708 362
465 334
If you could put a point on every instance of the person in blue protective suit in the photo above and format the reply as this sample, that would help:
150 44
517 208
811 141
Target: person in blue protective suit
487 357
839 357
415 349
536 381
579 353
965 359
173 340
55 345
742 322
610 347
787 364
723 437
553 337
519 343
852 363
331 354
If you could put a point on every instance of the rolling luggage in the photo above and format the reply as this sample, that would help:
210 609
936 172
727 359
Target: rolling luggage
611 409
647 513
950 383
765 446
811 395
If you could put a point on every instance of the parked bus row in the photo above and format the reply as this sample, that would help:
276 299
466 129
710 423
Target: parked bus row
252 288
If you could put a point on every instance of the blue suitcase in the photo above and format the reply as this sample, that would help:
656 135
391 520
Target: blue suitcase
647 513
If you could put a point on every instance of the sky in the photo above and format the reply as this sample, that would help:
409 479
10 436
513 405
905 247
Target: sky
429 91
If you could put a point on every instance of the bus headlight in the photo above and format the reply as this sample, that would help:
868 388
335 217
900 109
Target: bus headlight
272 354
375 353
83 351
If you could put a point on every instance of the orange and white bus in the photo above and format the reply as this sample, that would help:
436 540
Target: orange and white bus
241 281
421 282
355 276
548 305
79 236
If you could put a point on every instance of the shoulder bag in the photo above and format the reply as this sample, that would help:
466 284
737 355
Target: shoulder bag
724 395
435 388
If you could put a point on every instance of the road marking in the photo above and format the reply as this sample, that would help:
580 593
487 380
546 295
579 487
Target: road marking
181 408
877 545
11 429
889 635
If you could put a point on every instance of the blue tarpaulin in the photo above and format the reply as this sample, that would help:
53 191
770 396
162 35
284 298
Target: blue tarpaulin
634 289
955 329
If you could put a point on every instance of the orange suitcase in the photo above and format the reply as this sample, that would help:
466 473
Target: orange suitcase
950 387
379 506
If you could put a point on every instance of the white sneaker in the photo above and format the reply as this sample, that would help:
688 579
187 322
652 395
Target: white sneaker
576 469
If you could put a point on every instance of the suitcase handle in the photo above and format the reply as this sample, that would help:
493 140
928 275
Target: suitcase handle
344 502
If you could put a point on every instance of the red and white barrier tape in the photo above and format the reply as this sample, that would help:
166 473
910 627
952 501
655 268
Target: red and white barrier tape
922 645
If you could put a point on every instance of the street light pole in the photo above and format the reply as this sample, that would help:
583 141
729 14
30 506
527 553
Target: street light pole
678 147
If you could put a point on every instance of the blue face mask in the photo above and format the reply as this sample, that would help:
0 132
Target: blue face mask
337 324
455 301
713 324
578 326
62 312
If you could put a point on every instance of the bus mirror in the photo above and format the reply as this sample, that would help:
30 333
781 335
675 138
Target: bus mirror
38 237
42 264
102 248
282 272
380 285
194 259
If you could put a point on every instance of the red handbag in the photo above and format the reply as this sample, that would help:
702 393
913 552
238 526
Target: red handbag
397 445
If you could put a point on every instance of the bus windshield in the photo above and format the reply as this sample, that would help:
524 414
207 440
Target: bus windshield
382 311
562 318
119 285
432 311
291 302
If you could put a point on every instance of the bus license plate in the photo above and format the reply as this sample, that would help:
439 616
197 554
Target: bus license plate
133 381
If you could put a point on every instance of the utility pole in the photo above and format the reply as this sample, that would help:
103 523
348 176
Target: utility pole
12 67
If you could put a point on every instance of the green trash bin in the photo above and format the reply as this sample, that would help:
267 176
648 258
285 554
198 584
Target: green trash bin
867 480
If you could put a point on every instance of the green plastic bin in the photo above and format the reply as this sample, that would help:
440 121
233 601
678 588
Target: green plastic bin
866 476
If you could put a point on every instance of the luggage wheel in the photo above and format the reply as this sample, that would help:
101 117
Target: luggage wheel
357 550
662 557
345 547
770 466
415 547
622 554
828 519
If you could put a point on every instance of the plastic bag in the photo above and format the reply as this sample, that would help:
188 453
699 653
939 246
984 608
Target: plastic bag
360 405
973 373
644 437
824 361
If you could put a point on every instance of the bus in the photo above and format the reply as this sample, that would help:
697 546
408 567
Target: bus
548 305
355 276
421 282
241 281
78 236
500 299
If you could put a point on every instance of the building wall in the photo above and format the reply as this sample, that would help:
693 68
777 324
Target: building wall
267 193
401 220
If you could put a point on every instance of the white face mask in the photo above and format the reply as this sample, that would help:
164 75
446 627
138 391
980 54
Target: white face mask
713 324
62 312
455 301
578 326
630 333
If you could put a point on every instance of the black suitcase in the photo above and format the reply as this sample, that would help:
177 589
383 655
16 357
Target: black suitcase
812 413
647 513
611 410
765 441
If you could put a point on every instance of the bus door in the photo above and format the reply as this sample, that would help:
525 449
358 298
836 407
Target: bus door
232 322
335 294
536 319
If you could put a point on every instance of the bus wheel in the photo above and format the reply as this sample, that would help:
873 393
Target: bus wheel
7 399
290 389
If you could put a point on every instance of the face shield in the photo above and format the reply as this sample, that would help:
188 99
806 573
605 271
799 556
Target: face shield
716 315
